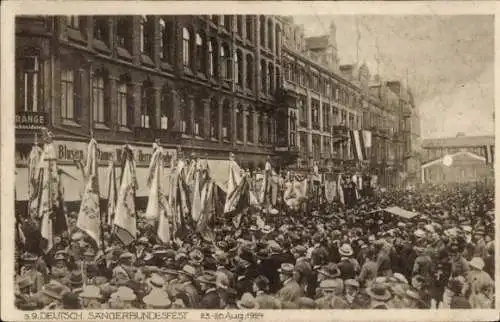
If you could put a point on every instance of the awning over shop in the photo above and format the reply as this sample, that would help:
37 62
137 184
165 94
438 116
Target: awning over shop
401 212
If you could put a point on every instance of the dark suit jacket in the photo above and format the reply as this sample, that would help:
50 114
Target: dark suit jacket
211 300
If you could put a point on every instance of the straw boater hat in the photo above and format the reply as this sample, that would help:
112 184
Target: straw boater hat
401 278
54 290
188 270
331 271
124 294
352 282
77 236
60 255
156 280
477 263
329 284
346 250
286 268
157 300
91 292
379 292
28 257
247 302
267 229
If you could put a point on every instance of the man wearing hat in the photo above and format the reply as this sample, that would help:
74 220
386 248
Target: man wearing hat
477 277
125 266
186 277
329 290
60 268
91 297
302 267
291 290
459 265
348 266
211 298
262 296
379 295
51 295
351 290
123 298
270 266
29 271
222 262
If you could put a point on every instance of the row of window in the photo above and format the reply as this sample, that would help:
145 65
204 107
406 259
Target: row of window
330 117
101 96
328 88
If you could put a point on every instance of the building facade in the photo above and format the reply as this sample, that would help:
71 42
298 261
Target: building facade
325 100
206 84
458 159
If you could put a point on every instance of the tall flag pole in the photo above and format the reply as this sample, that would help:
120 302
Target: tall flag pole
125 221
154 181
50 208
34 177
89 217
112 192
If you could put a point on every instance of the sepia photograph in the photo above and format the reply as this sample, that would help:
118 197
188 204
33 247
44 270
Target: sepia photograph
252 162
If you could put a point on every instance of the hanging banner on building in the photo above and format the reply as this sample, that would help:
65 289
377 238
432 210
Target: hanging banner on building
31 120
69 151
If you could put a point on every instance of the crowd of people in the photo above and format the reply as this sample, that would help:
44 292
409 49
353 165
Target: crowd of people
331 257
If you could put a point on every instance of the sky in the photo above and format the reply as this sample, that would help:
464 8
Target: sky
447 60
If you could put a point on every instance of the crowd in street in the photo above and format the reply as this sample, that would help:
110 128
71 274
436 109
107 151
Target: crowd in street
329 257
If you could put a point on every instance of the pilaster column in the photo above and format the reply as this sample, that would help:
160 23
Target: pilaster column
157 41
206 117
114 115
190 123
245 125
136 104
157 107
176 110
220 113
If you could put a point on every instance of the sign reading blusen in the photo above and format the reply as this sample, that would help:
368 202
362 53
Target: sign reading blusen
69 151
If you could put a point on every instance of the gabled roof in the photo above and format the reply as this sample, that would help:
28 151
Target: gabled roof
462 141
320 42
466 153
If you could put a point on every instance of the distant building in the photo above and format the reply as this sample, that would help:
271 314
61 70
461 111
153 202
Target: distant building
457 159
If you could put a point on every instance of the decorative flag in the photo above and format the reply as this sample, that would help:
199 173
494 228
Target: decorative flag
155 176
112 192
367 138
33 177
358 145
50 202
330 190
125 224
340 189
489 152
208 203
166 216
196 203
89 217
233 193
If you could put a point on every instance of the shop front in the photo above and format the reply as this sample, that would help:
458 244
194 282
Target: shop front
71 155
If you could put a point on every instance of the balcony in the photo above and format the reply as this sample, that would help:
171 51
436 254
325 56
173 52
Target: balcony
166 136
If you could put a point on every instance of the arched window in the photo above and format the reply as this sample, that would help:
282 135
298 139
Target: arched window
270 34
262 26
147 105
250 75
263 76
239 123
186 39
101 29
238 66
249 28
186 105
147 35
100 106
212 58
277 39
214 118
200 52
226 121
166 37
199 116
249 121
70 94
124 113
270 78
225 62
239 25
